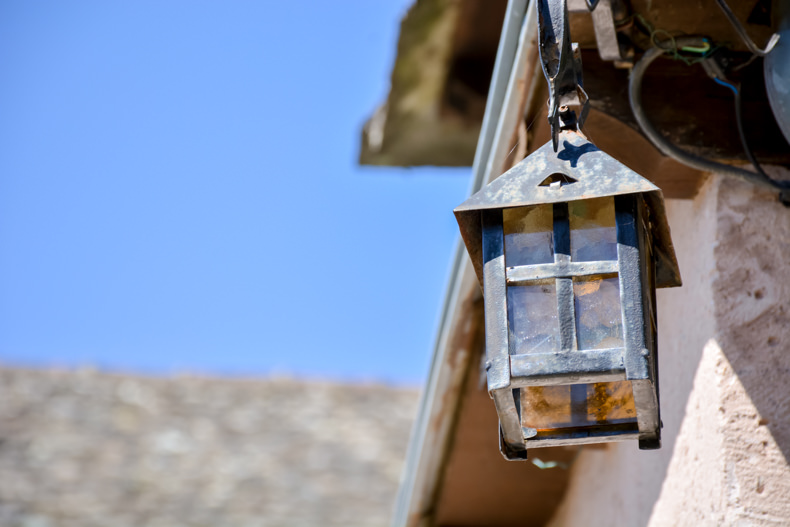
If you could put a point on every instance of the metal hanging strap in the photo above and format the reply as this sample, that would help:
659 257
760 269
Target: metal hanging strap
562 66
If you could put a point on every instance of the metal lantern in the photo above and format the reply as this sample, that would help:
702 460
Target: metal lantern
569 247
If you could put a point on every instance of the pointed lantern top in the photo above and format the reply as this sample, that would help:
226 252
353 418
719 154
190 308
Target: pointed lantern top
578 170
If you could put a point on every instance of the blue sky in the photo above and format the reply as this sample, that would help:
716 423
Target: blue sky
179 192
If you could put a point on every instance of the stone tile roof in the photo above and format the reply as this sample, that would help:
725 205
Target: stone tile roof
89 449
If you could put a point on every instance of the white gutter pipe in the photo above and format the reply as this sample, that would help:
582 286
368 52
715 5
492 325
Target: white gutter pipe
513 72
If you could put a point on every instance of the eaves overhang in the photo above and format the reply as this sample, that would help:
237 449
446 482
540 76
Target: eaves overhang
444 64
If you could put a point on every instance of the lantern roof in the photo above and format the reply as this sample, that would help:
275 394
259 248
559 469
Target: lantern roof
577 171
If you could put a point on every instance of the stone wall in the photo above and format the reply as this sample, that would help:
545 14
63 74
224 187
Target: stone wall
89 449
724 339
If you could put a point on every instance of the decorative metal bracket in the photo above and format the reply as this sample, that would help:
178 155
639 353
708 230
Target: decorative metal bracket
609 18
605 25
562 66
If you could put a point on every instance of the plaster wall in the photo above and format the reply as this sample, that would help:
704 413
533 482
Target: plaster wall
724 339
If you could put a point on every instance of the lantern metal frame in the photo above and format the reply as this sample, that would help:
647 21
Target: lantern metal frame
645 260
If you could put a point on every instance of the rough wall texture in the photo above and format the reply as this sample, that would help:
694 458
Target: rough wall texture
747 367
725 337
91 449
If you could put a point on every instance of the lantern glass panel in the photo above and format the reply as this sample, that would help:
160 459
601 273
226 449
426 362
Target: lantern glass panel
532 317
593 231
528 235
599 321
579 405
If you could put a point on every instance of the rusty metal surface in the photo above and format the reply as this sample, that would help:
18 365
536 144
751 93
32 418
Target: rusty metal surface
585 437
564 284
496 329
495 283
577 171
596 174
640 346
577 366
508 372
561 62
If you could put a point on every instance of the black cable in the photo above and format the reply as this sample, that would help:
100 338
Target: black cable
667 148
739 122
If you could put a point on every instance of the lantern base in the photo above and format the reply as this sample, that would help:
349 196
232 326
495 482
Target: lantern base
578 437
650 444
510 453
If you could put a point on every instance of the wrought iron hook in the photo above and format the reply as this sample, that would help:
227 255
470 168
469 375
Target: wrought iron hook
562 67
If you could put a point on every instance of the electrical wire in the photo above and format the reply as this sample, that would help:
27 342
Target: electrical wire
739 123
667 148
703 48
736 24
727 85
